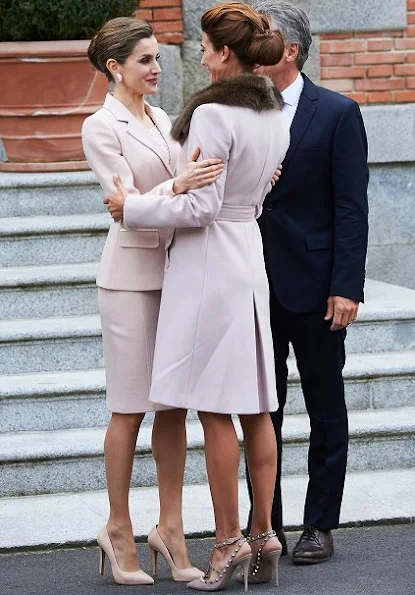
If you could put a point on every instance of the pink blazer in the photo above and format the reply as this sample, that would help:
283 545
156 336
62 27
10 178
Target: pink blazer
115 143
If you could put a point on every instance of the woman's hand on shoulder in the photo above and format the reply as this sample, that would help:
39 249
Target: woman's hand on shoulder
197 174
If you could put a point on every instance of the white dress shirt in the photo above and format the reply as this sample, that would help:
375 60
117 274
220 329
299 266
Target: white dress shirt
291 97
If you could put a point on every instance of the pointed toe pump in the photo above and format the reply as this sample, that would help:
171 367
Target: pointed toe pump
157 546
122 577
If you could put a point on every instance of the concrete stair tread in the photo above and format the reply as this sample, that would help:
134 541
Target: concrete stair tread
385 301
44 383
49 328
37 446
24 226
46 180
33 276
76 518
82 381
368 365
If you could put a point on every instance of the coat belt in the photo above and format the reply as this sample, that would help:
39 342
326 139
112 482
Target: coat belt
237 213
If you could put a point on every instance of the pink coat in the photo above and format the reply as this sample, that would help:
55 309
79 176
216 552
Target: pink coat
115 142
214 346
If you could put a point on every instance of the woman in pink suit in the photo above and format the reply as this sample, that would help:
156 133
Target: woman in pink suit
130 137
214 346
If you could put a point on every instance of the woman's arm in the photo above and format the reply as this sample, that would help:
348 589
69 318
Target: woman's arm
196 208
102 149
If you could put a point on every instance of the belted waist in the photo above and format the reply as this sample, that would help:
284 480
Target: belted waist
237 213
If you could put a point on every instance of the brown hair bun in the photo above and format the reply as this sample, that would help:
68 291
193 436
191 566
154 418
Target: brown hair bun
245 31
266 49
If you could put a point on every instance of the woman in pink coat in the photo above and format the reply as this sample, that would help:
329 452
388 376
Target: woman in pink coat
132 138
214 347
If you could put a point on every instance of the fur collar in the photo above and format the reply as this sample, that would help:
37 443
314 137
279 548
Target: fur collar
244 90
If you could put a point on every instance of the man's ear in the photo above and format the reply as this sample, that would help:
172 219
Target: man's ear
291 52
226 52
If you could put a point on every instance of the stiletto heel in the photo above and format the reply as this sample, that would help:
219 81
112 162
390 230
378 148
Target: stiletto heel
273 558
265 566
101 561
218 579
154 554
157 546
245 569
122 577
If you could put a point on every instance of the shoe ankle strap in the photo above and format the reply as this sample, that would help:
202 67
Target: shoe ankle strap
265 535
229 541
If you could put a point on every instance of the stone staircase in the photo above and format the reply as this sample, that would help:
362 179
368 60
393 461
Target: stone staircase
52 409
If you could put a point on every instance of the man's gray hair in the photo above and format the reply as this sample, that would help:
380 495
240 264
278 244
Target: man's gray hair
291 21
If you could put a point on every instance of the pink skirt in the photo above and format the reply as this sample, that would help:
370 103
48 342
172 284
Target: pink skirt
129 325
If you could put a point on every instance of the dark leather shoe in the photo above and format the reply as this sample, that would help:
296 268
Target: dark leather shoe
313 546
283 542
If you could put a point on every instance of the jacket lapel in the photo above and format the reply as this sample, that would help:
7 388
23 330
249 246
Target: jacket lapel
306 109
140 133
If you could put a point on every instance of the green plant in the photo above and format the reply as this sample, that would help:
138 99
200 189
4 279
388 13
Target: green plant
43 20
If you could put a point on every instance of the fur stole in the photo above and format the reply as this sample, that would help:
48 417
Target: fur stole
244 90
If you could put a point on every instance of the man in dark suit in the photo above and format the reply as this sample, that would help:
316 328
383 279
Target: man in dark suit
315 229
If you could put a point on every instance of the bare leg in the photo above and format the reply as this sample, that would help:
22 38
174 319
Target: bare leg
261 456
119 448
222 463
169 452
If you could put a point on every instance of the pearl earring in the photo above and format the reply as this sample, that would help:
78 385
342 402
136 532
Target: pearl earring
118 77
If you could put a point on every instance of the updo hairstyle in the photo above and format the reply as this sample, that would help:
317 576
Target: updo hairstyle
116 39
245 31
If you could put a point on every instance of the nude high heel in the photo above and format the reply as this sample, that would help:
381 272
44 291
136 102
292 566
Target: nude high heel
265 565
122 577
157 546
218 579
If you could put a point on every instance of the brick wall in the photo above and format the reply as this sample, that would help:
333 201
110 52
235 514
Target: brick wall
166 18
371 67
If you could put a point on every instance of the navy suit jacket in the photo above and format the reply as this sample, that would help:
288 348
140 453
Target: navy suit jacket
315 219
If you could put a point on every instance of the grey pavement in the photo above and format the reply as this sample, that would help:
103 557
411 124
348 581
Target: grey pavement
368 561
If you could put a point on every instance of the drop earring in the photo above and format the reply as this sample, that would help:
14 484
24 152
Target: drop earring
118 77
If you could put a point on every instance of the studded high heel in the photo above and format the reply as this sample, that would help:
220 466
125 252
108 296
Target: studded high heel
217 579
265 565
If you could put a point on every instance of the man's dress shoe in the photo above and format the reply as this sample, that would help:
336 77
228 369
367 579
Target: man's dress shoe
313 546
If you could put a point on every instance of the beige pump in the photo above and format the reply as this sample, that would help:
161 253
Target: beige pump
157 546
122 577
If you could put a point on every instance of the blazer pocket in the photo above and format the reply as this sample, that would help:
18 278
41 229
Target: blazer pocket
319 241
142 238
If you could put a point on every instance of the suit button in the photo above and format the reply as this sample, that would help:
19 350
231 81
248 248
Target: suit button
268 207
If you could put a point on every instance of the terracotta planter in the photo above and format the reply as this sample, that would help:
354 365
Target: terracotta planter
49 88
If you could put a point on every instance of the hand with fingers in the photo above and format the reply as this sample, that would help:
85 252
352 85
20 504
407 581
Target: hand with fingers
115 202
197 174
341 311
277 175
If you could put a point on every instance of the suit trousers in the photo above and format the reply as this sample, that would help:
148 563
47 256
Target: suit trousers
320 357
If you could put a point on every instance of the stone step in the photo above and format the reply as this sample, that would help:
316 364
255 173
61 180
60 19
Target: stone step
386 321
42 292
38 241
76 399
58 193
72 460
50 344
45 521
73 342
